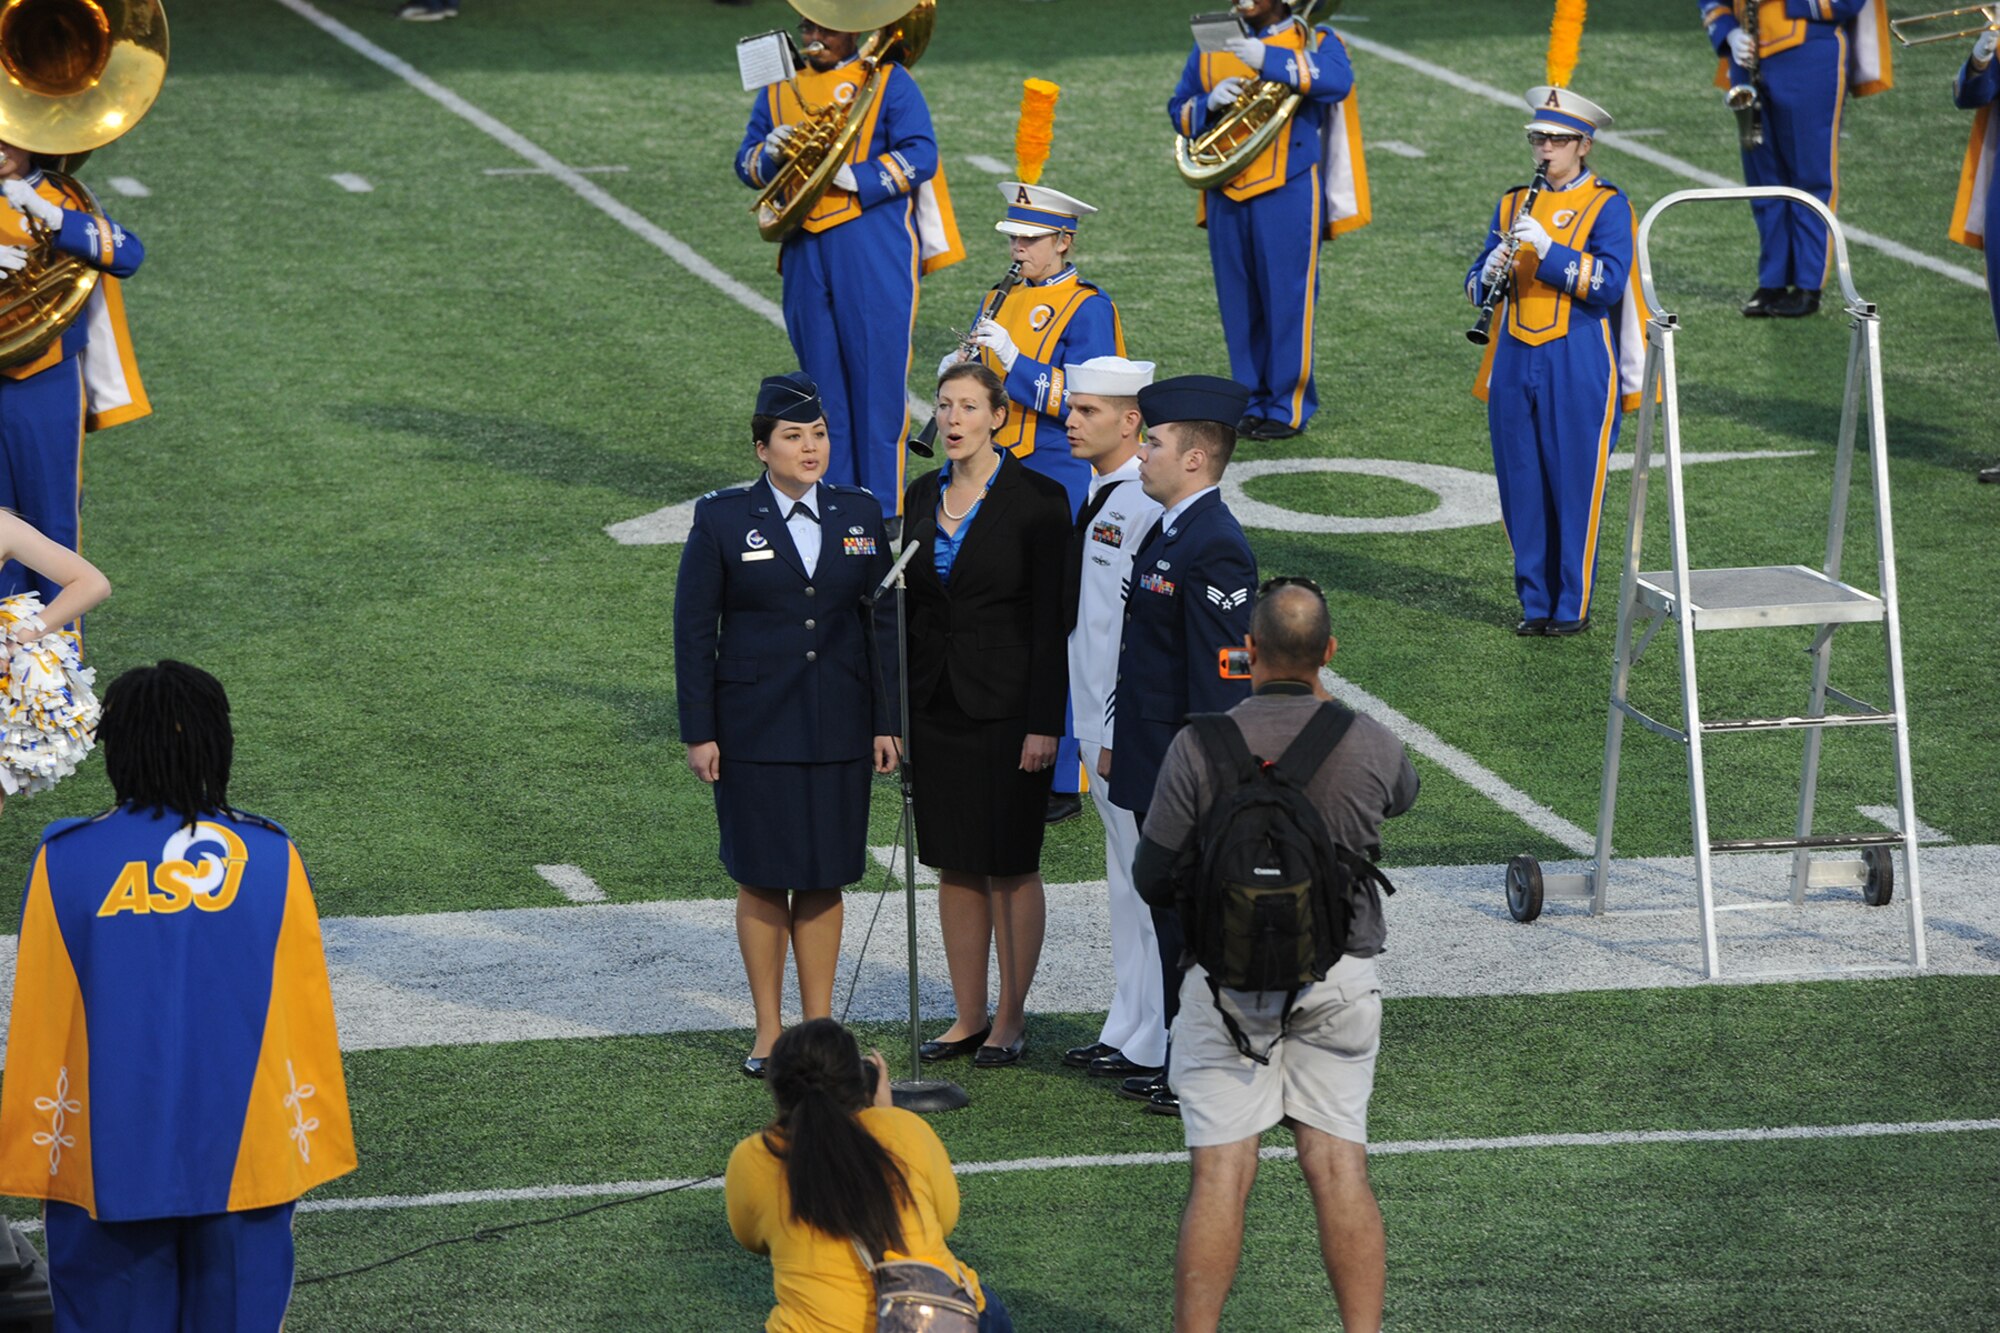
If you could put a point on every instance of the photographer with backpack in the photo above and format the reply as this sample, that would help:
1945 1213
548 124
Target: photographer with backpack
1271 864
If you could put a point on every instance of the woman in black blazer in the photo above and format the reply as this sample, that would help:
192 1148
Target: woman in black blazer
989 673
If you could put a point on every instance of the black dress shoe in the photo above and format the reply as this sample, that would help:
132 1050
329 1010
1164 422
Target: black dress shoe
1062 805
1990 473
932 1052
1563 628
1533 625
993 1057
1277 430
753 1066
1115 1065
1082 1057
1760 302
1142 1089
1248 425
1796 303
1164 1102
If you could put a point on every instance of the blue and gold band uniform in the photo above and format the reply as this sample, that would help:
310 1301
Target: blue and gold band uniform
1265 225
850 272
172 1061
1811 55
1555 385
86 380
1975 218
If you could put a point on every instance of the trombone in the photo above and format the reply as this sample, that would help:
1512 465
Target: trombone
1990 13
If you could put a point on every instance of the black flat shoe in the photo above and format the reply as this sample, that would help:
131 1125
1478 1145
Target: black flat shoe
1115 1065
1142 1089
1796 303
1532 626
1062 806
933 1052
993 1057
1082 1057
1559 629
1761 301
753 1066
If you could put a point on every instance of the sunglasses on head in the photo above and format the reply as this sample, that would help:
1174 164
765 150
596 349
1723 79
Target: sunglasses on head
1536 138
1271 585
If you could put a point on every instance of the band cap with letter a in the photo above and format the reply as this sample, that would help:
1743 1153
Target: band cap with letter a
1560 111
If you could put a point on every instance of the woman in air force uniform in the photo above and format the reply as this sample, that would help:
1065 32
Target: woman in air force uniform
780 706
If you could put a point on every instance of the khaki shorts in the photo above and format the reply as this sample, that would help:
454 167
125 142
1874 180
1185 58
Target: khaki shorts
1321 1074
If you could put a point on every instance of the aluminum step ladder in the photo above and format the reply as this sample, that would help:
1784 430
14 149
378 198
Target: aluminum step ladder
1690 601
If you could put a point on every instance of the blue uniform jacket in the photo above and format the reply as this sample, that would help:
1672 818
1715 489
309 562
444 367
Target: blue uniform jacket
771 665
1822 19
1325 75
903 135
1597 286
1192 585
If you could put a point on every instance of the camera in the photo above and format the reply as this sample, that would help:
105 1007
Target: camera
871 1074
1232 663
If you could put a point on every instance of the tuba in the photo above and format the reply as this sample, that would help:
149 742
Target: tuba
79 73
823 142
1245 128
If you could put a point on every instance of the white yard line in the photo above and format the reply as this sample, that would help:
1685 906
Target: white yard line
1399 148
572 882
1887 817
537 171
128 187
352 183
1625 143
992 166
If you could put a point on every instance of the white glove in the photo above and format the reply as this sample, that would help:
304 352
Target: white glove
1982 50
1532 233
1225 92
22 198
844 178
1742 47
996 340
951 358
1248 50
777 141
1496 264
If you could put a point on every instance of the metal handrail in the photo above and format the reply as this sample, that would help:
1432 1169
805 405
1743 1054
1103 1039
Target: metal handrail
1643 257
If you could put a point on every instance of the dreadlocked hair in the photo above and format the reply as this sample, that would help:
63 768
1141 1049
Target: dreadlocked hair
166 738
841 1179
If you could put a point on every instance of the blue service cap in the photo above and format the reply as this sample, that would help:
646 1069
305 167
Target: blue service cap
1194 398
790 397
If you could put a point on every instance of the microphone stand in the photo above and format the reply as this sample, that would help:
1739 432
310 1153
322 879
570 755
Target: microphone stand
915 1093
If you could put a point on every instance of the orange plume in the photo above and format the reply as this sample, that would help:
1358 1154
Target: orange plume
1037 128
1565 34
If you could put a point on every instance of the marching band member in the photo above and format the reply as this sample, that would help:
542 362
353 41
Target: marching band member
1555 381
1104 432
850 271
1266 224
779 703
1808 55
1975 219
86 380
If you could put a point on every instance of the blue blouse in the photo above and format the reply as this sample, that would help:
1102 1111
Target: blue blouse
944 547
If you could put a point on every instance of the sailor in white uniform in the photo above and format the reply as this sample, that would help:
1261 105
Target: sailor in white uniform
1104 428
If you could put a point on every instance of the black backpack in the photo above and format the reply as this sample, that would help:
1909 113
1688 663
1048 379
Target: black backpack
1264 893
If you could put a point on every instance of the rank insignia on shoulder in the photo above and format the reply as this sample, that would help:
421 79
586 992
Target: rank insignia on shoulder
857 545
1155 583
1228 601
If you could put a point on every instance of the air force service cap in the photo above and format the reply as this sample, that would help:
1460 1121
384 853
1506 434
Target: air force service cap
1560 111
1194 398
1108 376
1034 210
790 397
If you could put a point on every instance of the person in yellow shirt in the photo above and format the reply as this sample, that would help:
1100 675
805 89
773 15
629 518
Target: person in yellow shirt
839 1171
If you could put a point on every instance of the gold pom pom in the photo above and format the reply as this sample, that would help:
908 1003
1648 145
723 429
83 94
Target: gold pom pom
1565 34
1036 129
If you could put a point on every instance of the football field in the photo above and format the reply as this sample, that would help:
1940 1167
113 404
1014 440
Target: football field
446 326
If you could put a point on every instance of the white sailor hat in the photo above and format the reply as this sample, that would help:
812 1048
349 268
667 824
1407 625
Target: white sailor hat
1033 210
1561 111
1108 376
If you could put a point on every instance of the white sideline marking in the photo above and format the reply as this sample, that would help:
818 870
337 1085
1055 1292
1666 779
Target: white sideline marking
1627 144
574 884
631 219
350 182
1402 1148
1887 817
129 187
992 166
886 857
1399 148
537 171
1463 766
1642 134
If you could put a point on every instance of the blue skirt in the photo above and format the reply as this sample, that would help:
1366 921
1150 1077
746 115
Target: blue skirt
794 826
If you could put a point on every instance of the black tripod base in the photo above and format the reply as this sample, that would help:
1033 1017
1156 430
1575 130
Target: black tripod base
926 1095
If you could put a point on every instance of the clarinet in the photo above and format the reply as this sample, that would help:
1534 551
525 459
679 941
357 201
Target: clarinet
1478 334
924 443
1745 98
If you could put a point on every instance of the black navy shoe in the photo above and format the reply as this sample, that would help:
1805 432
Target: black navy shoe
994 1057
1532 626
1796 303
933 1052
1115 1065
1062 805
1559 629
753 1066
1142 1089
1164 1102
1082 1057
1761 301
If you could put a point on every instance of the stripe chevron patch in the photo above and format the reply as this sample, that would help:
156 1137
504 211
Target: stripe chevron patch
1228 601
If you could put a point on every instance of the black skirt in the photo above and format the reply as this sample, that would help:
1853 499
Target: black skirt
977 812
794 826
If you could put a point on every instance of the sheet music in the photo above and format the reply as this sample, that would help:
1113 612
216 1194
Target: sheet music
764 60
1213 31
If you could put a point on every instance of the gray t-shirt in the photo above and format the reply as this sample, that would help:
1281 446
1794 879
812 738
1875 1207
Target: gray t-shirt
1368 778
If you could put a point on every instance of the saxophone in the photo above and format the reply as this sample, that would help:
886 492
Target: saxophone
1746 99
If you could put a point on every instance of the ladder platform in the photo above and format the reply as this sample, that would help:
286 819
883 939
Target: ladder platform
1759 596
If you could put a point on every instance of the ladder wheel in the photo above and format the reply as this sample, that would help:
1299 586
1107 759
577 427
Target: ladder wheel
1880 885
1524 888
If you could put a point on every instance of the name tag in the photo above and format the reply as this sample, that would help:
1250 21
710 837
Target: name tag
759 555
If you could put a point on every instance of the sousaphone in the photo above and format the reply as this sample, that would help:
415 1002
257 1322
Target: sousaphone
898 32
78 74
